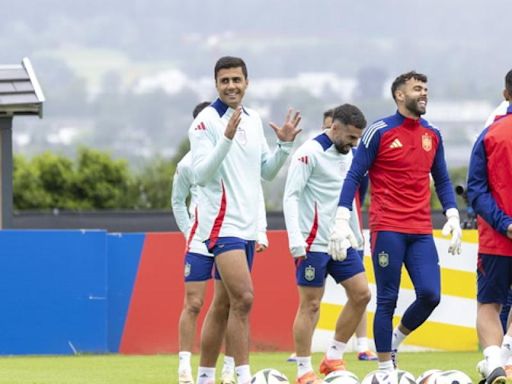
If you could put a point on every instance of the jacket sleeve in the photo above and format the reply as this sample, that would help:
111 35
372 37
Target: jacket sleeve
439 172
296 180
208 152
361 163
181 184
479 194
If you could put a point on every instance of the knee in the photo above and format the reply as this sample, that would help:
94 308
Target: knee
311 307
194 305
387 303
362 297
430 298
242 303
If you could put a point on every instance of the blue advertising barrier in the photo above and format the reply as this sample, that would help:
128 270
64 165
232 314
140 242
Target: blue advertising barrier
53 292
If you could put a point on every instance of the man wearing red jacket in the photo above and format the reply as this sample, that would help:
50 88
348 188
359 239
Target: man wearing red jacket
489 193
400 153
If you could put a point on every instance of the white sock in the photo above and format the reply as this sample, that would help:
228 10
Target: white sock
397 339
303 365
362 344
205 375
335 350
493 356
229 364
386 366
184 361
243 374
506 349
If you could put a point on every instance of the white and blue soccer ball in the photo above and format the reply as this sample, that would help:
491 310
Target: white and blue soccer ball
452 377
404 377
269 376
380 377
428 377
341 377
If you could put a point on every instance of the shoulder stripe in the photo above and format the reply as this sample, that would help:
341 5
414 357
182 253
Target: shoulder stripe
372 129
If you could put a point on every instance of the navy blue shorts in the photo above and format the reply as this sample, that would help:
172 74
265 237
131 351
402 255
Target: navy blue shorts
226 244
494 276
313 270
198 267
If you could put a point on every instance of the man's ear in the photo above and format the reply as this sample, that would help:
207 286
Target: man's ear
507 95
399 95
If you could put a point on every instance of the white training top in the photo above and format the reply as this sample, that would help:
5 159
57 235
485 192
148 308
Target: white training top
501 110
229 171
184 184
315 177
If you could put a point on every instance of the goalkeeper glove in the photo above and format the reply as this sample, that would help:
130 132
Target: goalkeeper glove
452 227
342 237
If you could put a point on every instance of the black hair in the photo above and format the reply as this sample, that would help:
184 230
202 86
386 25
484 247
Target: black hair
199 107
508 82
350 115
227 62
404 77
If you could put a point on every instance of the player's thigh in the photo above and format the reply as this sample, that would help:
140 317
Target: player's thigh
234 271
311 271
494 277
422 263
310 296
357 286
194 291
388 252
220 296
343 271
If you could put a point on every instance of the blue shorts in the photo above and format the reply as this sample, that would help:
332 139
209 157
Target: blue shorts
494 276
312 271
226 244
198 267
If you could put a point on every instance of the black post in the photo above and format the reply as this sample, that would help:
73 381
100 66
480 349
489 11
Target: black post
6 167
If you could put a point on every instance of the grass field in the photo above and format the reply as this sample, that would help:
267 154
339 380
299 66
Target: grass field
161 369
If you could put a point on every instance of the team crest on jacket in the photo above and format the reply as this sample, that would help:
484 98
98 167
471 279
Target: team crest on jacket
241 136
426 142
383 259
187 269
309 273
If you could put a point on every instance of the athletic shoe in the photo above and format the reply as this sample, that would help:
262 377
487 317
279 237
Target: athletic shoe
185 377
228 378
367 356
309 378
508 371
481 368
328 366
394 358
292 358
497 376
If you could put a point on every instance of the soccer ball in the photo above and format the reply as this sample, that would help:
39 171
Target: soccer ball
404 377
453 377
428 377
341 377
269 376
380 377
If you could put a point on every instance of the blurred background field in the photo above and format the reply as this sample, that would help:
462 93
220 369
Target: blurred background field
161 369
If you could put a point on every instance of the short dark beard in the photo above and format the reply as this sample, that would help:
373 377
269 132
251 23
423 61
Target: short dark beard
412 106
342 148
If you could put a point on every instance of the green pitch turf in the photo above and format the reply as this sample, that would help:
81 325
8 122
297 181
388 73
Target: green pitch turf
161 369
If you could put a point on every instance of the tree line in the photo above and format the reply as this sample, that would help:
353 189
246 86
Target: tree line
93 180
